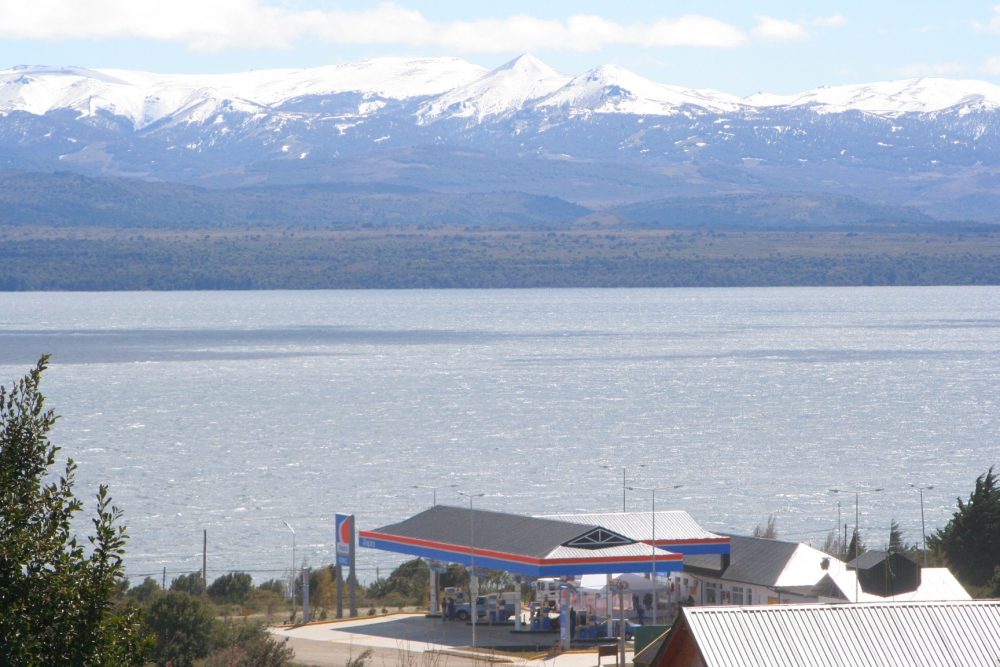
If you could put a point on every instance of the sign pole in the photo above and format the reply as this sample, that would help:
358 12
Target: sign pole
434 592
621 621
340 590
353 576
305 594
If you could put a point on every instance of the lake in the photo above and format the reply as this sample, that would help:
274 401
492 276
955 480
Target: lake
238 411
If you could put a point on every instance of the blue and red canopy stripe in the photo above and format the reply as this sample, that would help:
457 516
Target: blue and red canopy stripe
517 563
713 545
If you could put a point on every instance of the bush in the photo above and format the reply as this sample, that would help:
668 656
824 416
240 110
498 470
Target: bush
192 584
231 588
146 591
184 628
247 644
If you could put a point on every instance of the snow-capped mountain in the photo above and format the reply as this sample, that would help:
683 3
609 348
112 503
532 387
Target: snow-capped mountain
605 136
145 98
499 94
611 89
891 98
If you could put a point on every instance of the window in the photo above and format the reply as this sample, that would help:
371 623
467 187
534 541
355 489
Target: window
710 593
749 596
738 595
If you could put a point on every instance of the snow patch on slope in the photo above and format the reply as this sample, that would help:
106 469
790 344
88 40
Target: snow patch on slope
612 89
926 95
504 91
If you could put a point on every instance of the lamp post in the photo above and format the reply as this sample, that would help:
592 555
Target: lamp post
473 580
293 562
857 533
434 488
923 526
607 467
653 491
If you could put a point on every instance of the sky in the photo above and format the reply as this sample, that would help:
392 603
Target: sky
737 46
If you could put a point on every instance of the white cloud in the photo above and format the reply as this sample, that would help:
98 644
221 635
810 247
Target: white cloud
834 21
993 25
213 25
779 30
992 65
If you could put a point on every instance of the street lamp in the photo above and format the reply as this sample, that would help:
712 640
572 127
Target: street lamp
653 491
293 563
435 488
473 594
857 533
638 465
923 526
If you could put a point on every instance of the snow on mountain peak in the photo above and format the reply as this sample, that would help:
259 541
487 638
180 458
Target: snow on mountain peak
145 97
613 89
925 95
504 91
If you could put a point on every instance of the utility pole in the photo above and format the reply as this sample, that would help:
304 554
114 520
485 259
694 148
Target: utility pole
857 532
204 563
624 480
923 526
164 586
473 579
653 491
292 578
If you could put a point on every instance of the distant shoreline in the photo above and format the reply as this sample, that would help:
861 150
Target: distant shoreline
116 259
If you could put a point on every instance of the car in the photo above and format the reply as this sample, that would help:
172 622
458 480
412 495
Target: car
602 629
462 609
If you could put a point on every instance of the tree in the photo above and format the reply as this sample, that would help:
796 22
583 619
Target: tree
57 603
856 547
184 626
768 531
145 591
232 588
971 540
192 584
896 542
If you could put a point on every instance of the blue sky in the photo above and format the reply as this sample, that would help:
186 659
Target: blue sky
738 47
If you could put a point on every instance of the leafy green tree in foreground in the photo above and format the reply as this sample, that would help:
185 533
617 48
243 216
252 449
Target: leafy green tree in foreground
971 540
56 601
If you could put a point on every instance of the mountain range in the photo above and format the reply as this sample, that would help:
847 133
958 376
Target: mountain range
604 139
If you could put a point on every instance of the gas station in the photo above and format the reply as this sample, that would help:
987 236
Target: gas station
563 546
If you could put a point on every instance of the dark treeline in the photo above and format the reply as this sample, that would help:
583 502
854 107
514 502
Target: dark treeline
392 261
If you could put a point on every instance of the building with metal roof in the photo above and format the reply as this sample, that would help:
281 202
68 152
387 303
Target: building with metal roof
759 571
675 530
886 634
539 547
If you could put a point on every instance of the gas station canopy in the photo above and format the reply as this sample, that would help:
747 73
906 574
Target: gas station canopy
533 546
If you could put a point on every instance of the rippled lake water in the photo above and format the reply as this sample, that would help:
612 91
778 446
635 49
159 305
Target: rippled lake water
237 411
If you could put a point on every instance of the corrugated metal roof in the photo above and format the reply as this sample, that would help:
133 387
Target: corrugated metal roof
752 560
670 524
497 531
892 634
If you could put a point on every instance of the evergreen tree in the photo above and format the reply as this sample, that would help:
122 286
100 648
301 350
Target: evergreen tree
896 542
856 547
57 604
971 540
